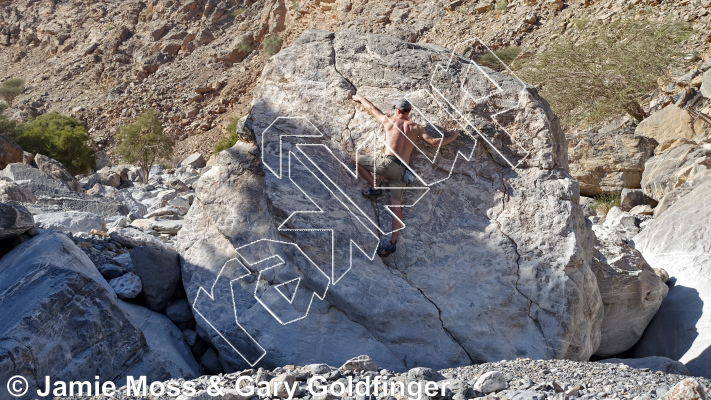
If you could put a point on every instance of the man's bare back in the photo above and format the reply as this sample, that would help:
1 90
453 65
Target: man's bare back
400 136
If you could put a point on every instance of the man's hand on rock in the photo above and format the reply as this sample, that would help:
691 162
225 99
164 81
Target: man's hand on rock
453 133
357 97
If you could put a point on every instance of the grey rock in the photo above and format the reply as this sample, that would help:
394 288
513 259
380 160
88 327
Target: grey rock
10 192
106 207
645 209
194 160
179 311
168 355
130 237
631 292
57 306
624 224
34 180
630 198
210 361
111 271
688 389
663 364
164 211
190 336
127 286
491 382
670 169
706 84
124 260
159 270
360 363
121 196
679 241
317 369
167 226
70 221
424 374
508 218
58 171
14 221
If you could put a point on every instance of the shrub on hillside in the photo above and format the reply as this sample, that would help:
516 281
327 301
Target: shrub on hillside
144 143
10 89
61 138
230 140
601 69
8 126
499 59
272 44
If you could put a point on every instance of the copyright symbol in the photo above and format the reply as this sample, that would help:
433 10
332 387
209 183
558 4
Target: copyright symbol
17 386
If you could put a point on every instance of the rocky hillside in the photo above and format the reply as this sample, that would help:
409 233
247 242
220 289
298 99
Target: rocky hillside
193 61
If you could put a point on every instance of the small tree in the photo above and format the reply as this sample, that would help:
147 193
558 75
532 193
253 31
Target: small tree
143 142
61 138
10 89
602 69
8 126
230 140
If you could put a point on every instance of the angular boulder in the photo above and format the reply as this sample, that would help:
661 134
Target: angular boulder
130 237
631 292
10 192
679 241
10 152
14 221
670 169
60 318
494 262
608 161
672 122
195 160
159 270
58 171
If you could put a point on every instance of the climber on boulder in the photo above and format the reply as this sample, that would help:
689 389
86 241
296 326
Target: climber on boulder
400 136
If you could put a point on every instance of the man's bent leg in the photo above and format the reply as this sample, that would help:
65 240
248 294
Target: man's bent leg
365 172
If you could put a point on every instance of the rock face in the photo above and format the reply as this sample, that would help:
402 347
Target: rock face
672 122
14 221
680 242
494 263
670 169
10 152
70 221
60 317
609 161
630 289
168 356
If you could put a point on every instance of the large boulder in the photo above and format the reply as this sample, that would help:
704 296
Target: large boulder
608 161
670 169
195 160
10 152
680 242
60 317
58 171
672 122
494 262
159 270
70 221
33 180
630 289
130 237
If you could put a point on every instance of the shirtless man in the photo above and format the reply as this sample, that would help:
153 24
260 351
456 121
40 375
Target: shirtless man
400 135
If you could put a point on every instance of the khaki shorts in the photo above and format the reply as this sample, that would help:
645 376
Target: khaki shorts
388 169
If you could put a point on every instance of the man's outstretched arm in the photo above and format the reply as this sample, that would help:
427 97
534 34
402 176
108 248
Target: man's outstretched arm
372 110
438 142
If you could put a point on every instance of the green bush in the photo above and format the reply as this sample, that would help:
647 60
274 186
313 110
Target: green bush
604 202
8 126
143 142
230 140
506 55
604 69
10 89
502 5
61 138
237 12
272 44
244 47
